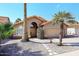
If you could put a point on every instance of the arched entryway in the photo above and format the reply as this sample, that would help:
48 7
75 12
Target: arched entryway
33 29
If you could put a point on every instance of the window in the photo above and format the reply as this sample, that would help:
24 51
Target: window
19 31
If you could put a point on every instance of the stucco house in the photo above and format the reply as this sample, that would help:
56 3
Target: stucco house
34 23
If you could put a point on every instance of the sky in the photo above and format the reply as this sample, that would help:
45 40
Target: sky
45 10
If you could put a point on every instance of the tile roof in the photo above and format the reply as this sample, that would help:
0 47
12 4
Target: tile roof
38 17
4 19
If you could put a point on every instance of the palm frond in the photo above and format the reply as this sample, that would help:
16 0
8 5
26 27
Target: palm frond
62 16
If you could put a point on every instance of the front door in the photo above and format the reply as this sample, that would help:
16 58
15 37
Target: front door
33 32
33 29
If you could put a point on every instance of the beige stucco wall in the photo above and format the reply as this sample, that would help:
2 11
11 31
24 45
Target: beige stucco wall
48 33
51 30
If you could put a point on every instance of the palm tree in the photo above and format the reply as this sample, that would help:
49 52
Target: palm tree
60 18
25 35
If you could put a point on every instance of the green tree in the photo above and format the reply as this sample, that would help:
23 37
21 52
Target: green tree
60 18
2 29
8 26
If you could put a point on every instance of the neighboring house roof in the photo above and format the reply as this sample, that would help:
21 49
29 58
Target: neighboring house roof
4 20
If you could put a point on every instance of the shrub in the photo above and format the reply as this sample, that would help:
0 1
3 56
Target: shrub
6 30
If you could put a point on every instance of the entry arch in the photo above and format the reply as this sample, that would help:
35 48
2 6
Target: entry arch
33 29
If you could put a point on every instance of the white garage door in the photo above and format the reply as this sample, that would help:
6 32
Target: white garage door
71 31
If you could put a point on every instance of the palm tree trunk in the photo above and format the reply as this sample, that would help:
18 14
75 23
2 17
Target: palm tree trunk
61 34
25 35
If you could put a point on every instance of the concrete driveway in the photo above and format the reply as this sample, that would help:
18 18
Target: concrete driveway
38 47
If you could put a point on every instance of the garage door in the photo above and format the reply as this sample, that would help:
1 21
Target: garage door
71 31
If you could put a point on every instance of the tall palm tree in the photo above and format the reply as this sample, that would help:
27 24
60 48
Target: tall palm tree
60 18
25 35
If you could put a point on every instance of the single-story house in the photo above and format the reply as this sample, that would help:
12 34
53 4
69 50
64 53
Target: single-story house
34 23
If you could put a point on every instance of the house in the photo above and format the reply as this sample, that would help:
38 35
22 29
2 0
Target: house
34 23
4 20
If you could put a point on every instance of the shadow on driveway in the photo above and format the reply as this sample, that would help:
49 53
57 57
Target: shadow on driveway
4 41
15 50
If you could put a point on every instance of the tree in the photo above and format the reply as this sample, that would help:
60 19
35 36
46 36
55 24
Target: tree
2 28
6 30
25 35
60 18
8 26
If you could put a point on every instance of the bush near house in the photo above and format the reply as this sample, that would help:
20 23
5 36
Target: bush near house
6 31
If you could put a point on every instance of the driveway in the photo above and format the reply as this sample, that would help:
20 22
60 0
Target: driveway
38 47
18 48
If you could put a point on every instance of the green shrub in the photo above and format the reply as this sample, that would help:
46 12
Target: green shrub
6 30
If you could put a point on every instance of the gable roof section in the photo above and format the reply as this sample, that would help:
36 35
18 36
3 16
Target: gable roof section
38 18
28 18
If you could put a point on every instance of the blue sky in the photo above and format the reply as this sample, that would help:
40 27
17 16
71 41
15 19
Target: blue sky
45 10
